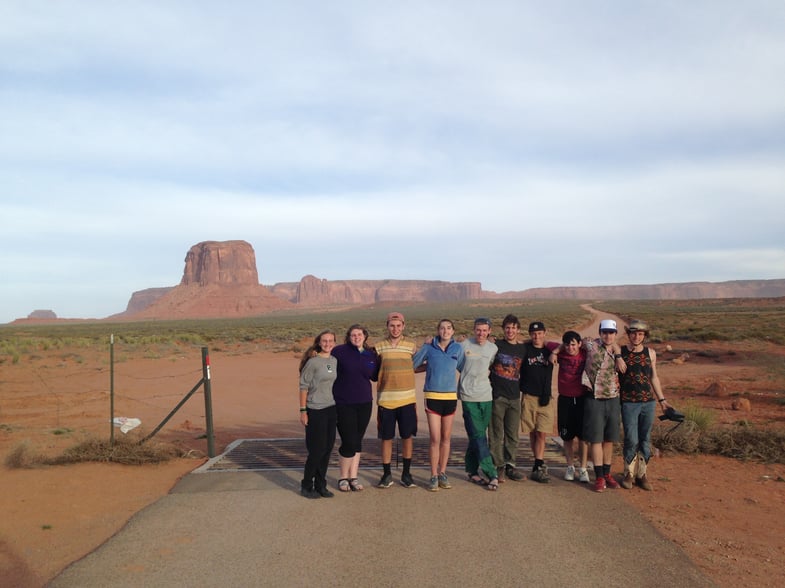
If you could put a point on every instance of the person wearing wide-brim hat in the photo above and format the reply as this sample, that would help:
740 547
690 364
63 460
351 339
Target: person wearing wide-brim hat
640 392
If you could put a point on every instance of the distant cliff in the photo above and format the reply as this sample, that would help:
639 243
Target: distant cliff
673 291
312 291
220 279
144 298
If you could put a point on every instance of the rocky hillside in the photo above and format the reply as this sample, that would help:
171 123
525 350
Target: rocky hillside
220 279
313 291
675 291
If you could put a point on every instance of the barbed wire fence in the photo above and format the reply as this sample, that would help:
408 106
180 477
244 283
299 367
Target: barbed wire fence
48 395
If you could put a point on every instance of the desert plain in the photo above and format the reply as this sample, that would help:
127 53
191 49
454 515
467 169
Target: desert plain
725 513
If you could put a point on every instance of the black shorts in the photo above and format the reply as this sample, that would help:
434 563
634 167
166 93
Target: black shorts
406 418
570 417
441 407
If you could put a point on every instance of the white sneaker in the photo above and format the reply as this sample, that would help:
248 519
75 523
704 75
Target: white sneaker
583 475
570 473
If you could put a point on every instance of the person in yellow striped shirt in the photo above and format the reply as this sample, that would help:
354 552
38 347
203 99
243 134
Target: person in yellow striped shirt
396 399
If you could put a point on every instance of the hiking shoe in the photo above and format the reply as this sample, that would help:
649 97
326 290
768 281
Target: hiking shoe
626 482
583 475
611 482
407 481
309 493
599 484
385 482
513 474
541 475
443 481
433 485
644 483
569 475
500 475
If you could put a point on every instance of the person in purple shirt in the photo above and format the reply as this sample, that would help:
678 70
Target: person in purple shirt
357 367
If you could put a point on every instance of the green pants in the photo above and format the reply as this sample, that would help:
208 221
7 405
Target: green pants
476 417
503 432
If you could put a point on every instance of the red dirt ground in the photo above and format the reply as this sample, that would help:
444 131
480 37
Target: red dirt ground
725 514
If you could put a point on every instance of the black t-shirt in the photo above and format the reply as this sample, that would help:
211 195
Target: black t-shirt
506 369
536 371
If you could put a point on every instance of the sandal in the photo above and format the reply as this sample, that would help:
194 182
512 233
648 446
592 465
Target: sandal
477 479
344 485
493 484
355 485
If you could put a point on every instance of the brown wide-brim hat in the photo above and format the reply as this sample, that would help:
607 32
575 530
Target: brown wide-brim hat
637 326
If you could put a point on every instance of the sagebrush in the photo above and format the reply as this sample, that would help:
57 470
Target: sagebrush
123 450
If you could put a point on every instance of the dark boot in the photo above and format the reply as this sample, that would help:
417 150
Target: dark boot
309 492
323 492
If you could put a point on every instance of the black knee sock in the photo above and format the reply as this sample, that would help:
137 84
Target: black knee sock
407 463
386 467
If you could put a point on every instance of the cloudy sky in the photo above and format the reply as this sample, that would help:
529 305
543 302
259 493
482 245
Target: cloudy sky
520 144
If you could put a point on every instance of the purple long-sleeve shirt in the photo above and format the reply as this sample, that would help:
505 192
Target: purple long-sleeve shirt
355 371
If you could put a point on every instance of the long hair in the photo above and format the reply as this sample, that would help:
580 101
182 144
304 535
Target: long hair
315 348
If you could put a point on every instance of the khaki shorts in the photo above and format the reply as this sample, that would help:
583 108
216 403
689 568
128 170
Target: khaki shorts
535 417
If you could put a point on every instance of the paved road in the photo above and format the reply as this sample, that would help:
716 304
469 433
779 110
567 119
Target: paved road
243 529
254 529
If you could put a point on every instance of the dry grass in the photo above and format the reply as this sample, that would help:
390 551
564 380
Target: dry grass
23 456
700 320
124 450
741 441
276 331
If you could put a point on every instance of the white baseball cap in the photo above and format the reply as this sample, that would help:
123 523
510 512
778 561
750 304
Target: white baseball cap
608 325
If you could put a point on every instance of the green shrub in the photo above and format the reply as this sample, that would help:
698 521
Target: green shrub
703 418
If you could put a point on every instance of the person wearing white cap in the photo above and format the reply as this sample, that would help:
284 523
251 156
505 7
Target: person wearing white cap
601 409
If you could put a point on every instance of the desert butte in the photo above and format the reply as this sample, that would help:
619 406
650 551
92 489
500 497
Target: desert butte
718 510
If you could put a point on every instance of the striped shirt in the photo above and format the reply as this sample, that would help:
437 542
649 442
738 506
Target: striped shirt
396 385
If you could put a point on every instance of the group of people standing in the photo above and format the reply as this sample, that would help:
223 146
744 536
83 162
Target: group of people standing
617 383
505 388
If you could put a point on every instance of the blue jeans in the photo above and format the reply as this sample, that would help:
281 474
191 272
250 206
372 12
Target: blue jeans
637 419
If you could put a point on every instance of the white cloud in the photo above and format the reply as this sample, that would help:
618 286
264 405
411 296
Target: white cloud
133 131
